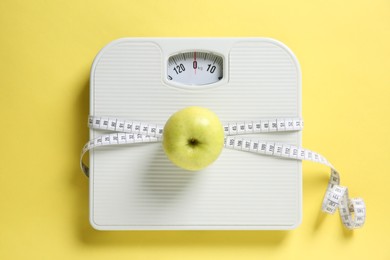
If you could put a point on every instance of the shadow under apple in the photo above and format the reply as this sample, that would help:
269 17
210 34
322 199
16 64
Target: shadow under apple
163 181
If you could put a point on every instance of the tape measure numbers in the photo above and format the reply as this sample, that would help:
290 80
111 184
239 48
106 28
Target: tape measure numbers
352 210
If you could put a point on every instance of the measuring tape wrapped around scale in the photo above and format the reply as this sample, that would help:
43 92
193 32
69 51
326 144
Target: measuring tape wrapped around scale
139 82
336 196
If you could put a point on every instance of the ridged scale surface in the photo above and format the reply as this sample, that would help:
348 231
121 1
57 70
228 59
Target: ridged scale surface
136 187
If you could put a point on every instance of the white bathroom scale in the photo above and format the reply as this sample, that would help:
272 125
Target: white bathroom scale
136 187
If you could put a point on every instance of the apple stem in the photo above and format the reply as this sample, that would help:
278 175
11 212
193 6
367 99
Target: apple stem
193 142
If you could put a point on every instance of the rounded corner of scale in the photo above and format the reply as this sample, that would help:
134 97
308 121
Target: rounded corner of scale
297 224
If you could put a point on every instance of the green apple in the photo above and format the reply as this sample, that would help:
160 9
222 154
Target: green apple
193 138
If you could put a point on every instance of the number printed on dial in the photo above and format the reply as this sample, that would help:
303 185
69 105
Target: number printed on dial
195 68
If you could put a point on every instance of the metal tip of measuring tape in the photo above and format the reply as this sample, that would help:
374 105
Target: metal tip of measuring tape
85 170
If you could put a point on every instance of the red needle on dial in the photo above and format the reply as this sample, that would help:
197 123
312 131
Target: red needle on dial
195 63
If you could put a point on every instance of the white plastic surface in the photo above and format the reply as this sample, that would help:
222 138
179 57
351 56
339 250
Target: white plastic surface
137 188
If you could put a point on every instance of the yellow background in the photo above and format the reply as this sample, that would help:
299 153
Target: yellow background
46 50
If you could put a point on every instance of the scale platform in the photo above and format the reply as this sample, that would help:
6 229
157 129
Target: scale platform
136 187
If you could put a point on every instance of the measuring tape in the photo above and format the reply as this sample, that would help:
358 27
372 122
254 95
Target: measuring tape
352 210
